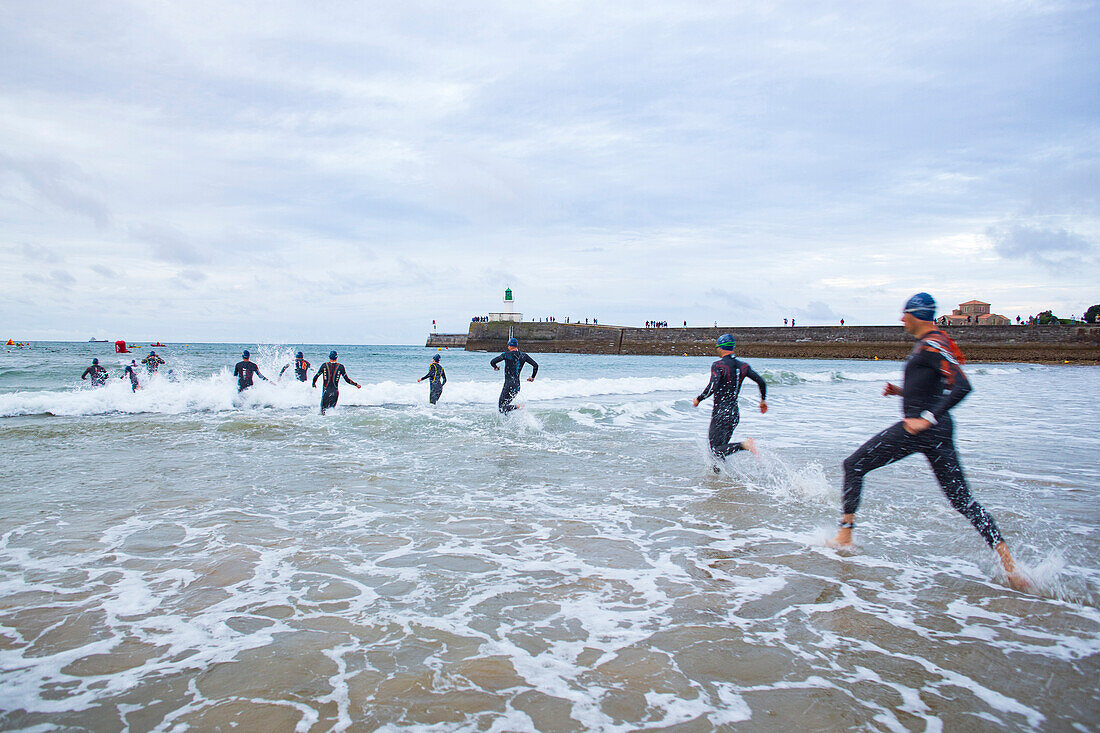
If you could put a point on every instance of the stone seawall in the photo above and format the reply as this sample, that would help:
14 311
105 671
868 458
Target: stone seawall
1042 344
446 340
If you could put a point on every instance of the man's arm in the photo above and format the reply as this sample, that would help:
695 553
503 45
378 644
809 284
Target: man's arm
319 371
709 389
344 373
751 374
497 360
960 388
534 366
85 374
237 370
257 370
284 370
443 376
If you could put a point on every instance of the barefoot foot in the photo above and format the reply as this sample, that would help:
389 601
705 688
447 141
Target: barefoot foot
750 445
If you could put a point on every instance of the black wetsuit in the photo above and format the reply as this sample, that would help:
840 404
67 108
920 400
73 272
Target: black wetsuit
133 377
330 389
301 369
436 377
513 365
243 372
98 374
726 376
933 382
152 363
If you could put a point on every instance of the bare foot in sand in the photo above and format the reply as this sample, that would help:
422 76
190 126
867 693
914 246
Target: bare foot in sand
843 539
1016 579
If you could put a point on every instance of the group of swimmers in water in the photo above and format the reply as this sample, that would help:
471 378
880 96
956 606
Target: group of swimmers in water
933 384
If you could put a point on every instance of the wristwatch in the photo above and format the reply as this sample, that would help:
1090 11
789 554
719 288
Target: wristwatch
927 415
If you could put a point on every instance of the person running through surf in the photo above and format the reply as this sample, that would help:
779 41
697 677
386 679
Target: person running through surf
332 371
152 362
933 384
436 377
97 373
131 372
726 376
244 371
301 367
513 359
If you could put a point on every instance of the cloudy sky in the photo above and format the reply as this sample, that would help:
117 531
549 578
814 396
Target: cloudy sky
347 171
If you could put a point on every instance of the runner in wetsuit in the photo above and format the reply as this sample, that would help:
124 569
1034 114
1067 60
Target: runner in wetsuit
436 377
330 389
934 383
131 371
98 374
513 359
244 371
726 376
301 368
152 362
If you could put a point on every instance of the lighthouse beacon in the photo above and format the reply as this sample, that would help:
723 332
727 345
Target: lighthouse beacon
509 311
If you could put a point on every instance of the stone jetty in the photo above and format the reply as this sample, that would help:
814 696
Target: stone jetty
1037 344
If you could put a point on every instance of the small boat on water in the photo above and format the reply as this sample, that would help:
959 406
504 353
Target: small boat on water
94 340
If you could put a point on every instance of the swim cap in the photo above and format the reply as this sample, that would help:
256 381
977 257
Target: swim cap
332 354
300 355
513 341
95 361
435 358
725 341
245 354
152 353
921 306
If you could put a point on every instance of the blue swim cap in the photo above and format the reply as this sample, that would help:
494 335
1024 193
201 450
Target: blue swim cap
95 361
725 341
435 358
300 355
332 354
921 306
513 341
245 355
152 353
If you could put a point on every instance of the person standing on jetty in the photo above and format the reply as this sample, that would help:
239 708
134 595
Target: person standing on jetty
513 359
330 389
436 377
301 367
152 362
131 371
97 373
244 371
933 383
726 377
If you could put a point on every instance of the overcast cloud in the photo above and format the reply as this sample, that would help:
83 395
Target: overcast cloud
347 172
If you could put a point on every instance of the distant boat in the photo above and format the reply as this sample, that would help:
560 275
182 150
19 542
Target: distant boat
94 340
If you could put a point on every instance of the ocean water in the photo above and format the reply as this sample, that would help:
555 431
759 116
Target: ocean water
187 558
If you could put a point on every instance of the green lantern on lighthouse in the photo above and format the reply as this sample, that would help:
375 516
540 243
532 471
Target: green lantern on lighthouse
507 295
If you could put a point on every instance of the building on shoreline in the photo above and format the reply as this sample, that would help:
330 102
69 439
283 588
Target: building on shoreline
973 313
